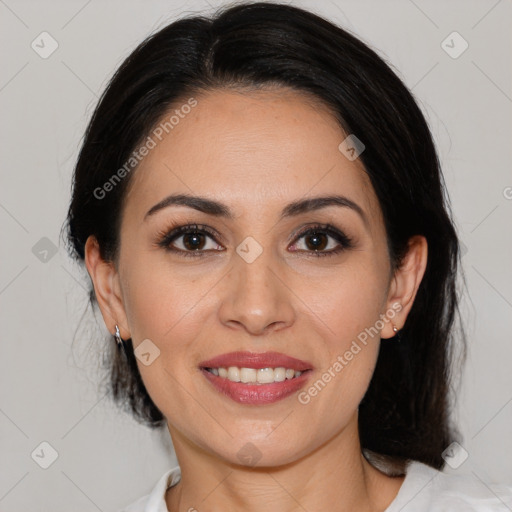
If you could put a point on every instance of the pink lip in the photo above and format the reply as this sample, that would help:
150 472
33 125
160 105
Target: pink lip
256 361
256 394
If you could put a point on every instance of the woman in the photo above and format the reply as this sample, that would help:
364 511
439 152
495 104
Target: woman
260 207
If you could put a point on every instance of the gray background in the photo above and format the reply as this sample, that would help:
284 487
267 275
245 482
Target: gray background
49 383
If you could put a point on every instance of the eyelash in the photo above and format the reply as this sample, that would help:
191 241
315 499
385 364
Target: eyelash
166 237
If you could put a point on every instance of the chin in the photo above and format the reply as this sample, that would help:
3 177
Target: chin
262 452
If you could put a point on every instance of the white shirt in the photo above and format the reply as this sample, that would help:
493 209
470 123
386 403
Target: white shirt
424 489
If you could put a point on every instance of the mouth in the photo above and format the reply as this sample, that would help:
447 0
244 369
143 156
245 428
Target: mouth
256 379
255 376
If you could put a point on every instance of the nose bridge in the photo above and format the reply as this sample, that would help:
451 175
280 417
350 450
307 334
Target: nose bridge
255 280
256 296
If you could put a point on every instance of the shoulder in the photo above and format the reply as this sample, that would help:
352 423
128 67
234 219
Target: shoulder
425 489
470 492
155 500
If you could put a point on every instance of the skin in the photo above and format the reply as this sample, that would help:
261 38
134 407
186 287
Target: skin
257 151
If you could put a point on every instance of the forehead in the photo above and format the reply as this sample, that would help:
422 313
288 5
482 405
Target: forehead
249 149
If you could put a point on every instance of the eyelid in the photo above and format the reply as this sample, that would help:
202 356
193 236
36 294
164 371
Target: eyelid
339 235
166 236
176 229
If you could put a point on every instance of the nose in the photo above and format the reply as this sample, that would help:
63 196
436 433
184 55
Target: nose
256 297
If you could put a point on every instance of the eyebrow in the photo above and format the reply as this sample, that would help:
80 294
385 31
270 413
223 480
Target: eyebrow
212 207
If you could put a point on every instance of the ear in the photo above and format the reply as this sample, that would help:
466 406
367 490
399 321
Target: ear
405 284
107 288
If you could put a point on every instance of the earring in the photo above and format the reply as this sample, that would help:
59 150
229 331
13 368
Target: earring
397 333
119 340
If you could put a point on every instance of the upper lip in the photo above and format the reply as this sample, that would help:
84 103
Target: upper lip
256 361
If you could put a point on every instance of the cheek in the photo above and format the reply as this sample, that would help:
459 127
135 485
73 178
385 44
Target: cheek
160 300
347 300
348 311
163 307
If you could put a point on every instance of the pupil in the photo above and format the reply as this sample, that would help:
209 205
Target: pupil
317 241
196 244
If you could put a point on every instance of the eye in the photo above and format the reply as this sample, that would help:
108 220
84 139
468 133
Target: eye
189 240
316 240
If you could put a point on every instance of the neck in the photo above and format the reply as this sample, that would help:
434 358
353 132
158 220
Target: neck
335 476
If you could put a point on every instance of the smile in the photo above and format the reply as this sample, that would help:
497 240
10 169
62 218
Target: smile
256 378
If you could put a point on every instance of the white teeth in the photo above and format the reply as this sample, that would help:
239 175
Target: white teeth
233 374
247 374
265 375
279 374
253 376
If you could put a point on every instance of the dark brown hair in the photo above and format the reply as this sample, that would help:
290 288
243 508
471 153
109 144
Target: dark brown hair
405 413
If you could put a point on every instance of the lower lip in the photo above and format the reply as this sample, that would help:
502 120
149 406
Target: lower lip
256 394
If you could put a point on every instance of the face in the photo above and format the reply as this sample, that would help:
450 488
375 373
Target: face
251 281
